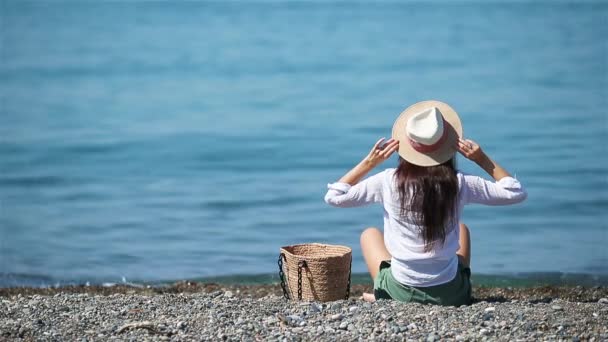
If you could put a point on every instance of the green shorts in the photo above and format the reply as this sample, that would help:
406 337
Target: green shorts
454 293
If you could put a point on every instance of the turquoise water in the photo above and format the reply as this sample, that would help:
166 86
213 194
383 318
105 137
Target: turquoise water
162 141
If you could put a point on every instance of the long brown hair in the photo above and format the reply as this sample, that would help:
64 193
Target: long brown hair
429 194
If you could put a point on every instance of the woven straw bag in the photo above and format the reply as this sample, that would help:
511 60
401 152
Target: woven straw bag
315 271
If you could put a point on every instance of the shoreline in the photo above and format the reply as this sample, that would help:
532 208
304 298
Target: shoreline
519 279
545 293
188 311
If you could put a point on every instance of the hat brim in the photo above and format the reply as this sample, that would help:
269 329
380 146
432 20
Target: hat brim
445 151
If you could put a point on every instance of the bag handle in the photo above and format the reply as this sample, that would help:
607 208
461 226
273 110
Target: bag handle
350 268
282 275
301 264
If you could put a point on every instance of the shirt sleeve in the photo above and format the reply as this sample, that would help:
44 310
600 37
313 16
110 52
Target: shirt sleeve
365 192
506 191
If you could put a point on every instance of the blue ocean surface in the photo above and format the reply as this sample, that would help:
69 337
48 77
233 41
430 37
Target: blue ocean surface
181 140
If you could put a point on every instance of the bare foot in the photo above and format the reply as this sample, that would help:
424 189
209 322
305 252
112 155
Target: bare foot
369 297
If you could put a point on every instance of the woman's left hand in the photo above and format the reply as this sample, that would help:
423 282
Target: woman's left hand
381 151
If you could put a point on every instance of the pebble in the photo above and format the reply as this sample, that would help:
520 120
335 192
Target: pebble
603 301
295 317
336 317
314 307
432 337
214 316
282 318
228 294
557 308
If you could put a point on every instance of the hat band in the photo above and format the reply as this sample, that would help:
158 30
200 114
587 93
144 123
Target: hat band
430 148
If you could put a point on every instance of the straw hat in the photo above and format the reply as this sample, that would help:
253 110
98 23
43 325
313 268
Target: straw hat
427 132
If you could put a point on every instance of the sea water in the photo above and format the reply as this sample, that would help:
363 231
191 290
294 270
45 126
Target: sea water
182 140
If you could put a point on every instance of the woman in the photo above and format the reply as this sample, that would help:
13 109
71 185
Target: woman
424 253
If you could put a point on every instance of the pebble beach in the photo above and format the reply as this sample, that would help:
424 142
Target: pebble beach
189 311
155 155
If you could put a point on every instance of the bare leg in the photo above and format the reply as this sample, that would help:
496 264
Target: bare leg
374 252
464 253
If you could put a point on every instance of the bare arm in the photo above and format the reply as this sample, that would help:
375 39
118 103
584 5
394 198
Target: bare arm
351 190
376 156
506 190
472 151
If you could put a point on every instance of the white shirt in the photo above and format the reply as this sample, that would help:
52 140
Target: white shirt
410 264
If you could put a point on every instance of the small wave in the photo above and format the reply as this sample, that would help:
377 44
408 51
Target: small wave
124 282
82 196
526 279
24 279
33 181
41 281
248 204
94 148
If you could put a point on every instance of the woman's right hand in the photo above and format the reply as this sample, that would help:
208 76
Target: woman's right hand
471 150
